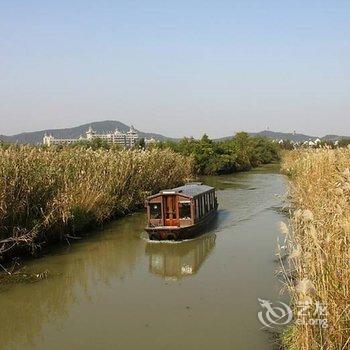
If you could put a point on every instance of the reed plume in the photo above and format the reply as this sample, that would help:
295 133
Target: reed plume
47 194
319 243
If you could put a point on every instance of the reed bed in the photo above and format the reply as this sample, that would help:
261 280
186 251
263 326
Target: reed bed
50 194
319 249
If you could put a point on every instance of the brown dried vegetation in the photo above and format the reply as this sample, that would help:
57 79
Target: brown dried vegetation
49 194
319 245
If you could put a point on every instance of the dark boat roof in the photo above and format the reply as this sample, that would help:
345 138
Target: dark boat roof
192 189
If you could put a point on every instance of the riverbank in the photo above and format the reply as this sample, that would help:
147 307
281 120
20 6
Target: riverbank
319 248
113 289
55 194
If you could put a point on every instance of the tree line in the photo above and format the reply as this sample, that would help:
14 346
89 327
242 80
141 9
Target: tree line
239 153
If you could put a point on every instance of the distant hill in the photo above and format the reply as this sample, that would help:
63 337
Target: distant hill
292 136
284 136
334 138
36 137
288 136
296 137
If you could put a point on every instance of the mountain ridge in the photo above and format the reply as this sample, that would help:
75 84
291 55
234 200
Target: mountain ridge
275 135
297 137
36 137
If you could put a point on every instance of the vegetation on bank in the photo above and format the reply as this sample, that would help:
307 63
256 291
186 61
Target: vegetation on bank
239 153
48 194
319 248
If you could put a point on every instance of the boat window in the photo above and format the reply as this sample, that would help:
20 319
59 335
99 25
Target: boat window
185 210
155 211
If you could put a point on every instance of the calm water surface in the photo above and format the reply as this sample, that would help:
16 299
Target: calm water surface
116 290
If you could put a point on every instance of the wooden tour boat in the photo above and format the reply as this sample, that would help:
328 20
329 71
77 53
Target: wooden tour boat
181 212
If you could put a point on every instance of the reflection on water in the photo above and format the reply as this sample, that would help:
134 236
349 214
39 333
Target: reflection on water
74 271
104 292
174 261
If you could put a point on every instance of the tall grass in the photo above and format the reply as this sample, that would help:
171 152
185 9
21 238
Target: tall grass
319 245
47 194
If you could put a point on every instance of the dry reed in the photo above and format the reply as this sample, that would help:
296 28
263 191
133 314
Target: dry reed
319 247
48 194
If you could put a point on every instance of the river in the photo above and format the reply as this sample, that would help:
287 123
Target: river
116 290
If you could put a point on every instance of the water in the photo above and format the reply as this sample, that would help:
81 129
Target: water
116 290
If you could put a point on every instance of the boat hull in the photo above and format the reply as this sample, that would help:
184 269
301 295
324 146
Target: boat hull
179 233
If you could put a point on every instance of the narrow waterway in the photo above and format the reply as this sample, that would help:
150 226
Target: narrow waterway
116 290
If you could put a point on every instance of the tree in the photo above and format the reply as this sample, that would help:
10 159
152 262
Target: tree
221 157
141 143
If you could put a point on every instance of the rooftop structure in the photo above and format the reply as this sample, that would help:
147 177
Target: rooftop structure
49 140
191 189
125 139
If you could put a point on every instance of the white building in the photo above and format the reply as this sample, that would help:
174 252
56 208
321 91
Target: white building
49 140
309 143
131 137
150 141
127 139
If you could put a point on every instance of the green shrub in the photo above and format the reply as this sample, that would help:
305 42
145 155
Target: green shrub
239 153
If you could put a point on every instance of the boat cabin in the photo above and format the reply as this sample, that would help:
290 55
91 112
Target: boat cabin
181 206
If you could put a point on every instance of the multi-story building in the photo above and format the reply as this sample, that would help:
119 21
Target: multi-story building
131 137
124 139
49 140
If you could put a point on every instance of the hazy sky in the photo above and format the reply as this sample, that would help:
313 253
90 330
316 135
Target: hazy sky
176 67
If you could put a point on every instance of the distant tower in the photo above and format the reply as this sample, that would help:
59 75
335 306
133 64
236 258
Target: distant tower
47 139
90 133
131 137
119 137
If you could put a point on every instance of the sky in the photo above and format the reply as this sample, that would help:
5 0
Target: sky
179 68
